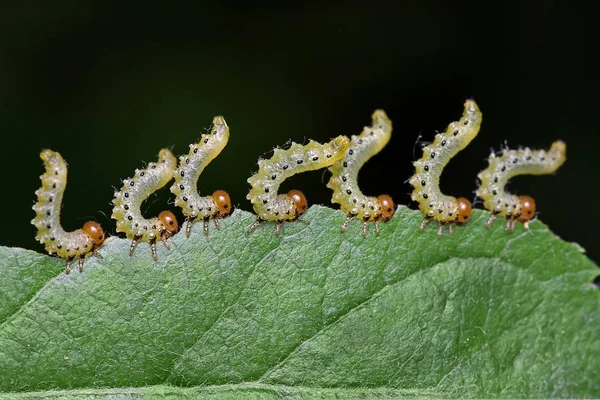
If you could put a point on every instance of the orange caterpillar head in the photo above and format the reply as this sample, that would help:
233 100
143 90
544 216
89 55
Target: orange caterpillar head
223 202
527 208
464 210
299 200
94 231
169 221
387 207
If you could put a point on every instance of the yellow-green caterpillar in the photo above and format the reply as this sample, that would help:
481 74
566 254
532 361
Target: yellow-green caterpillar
511 163
270 206
344 179
128 201
426 180
68 245
194 206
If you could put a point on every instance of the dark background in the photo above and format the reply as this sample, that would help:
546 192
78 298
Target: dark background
109 86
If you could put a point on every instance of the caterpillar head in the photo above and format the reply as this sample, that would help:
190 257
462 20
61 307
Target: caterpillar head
464 210
300 203
223 202
169 221
94 231
387 207
527 208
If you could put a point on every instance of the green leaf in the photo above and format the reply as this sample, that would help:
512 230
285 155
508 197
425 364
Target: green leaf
311 314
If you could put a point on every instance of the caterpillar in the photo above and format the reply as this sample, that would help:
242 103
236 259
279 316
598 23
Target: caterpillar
194 206
68 245
507 165
135 190
344 179
426 180
270 206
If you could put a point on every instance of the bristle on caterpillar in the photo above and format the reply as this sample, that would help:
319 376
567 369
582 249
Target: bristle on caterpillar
271 206
507 165
426 180
344 179
68 245
127 203
194 206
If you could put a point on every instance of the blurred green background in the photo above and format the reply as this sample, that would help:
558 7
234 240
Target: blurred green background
108 86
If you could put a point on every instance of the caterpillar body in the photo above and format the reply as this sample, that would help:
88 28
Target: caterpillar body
426 180
68 245
270 206
127 203
194 206
344 179
508 164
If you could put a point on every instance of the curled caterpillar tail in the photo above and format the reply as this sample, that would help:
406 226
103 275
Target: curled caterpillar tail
426 180
344 179
502 168
135 190
271 206
194 206
68 245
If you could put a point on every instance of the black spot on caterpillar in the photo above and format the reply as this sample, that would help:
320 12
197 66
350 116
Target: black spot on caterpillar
194 206
344 179
67 245
127 203
508 164
270 206
426 180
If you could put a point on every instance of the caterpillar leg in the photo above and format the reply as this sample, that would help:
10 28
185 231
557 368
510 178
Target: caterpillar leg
305 222
134 243
440 231
365 225
423 223
279 224
80 263
205 222
165 242
365 229
188 225
97 253
507 225
191 220
153 248
255 224
68 265
490 220
441 225
347 222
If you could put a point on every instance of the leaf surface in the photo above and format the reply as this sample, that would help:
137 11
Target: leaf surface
313 313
